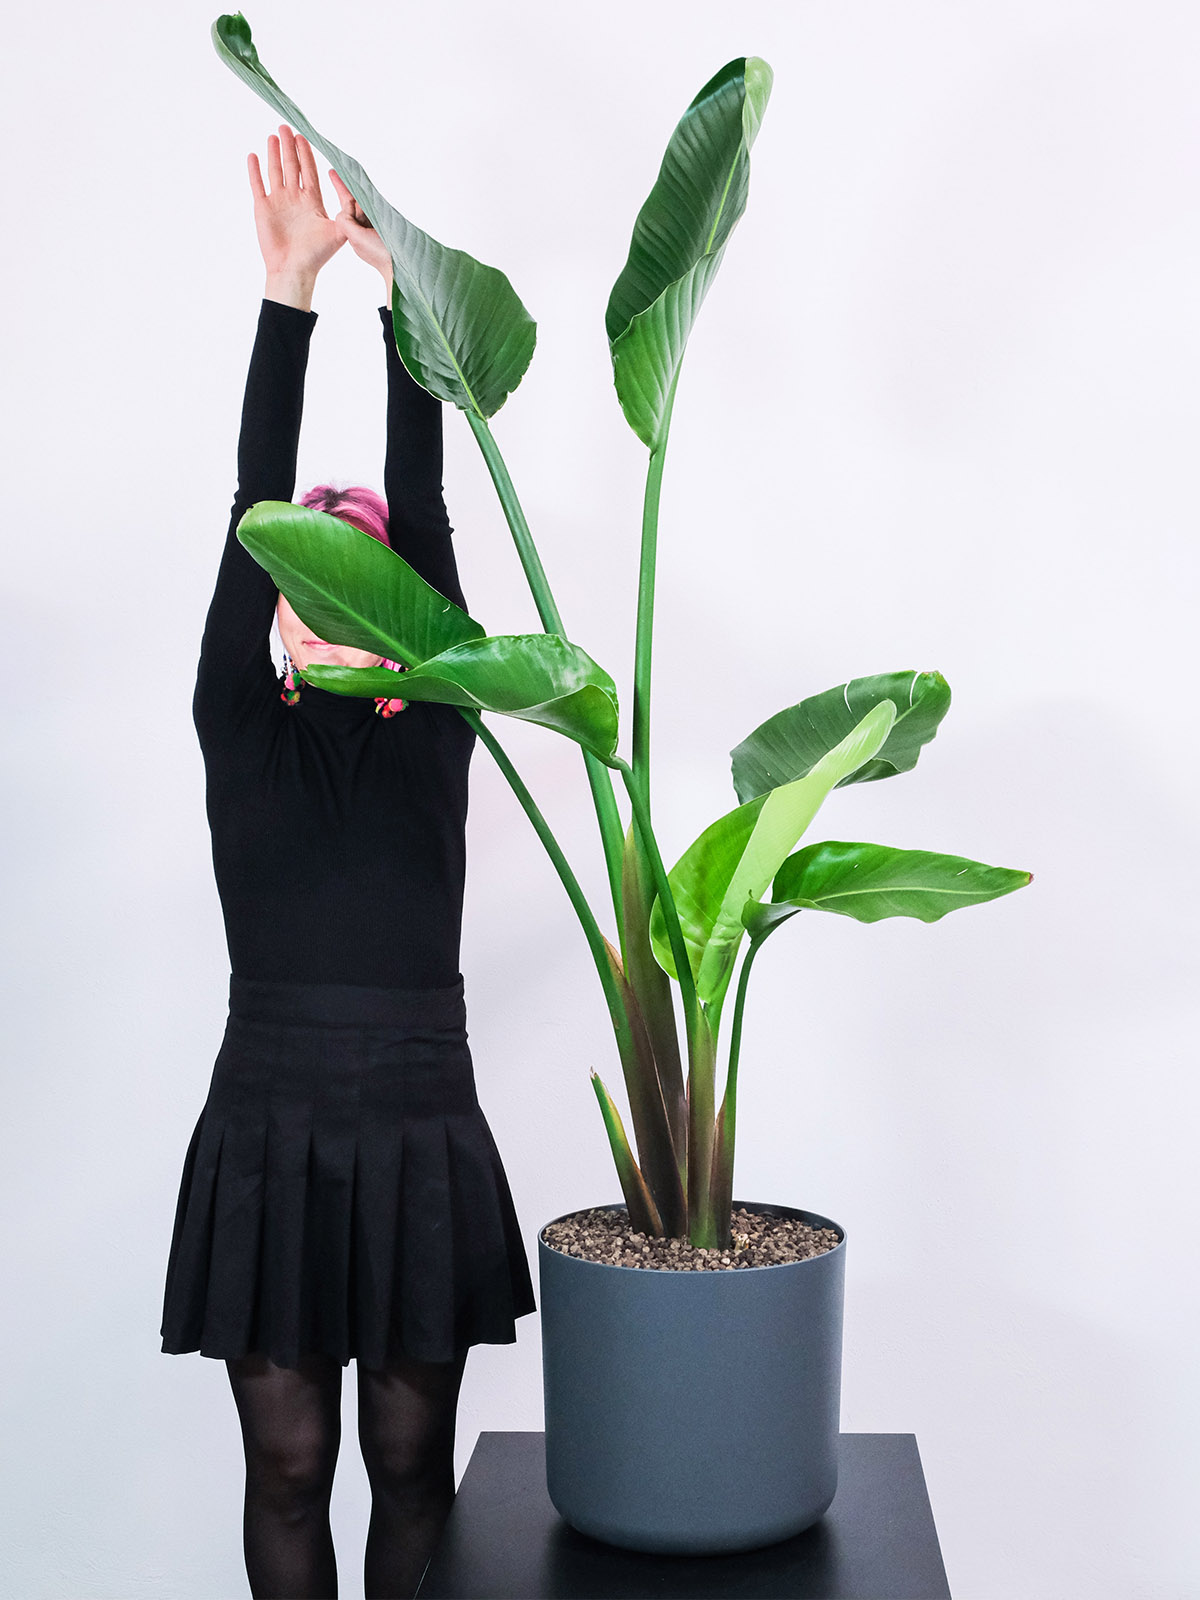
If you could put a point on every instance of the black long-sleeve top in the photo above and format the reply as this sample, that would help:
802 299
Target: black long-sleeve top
338 835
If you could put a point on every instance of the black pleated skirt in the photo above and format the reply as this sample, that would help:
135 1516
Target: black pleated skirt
342 1194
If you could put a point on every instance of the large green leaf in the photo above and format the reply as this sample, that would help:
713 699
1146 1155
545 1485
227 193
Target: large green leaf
871 881
350 588
460 328
536 677
678 241
735 859
790 744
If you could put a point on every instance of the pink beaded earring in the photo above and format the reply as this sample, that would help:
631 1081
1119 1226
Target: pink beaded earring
383 706
291 689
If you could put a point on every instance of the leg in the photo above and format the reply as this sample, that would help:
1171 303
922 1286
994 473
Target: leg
406 1427
291 1426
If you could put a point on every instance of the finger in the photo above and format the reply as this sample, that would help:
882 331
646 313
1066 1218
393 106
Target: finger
345 198
291 166
274 165
351 210
256 181
308 166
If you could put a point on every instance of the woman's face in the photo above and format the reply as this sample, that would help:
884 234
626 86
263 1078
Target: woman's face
307 650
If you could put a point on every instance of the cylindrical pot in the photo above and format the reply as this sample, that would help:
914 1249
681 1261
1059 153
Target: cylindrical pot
693 1412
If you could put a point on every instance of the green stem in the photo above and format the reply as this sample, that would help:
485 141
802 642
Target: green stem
645 613
735 1031
657 1151
591 928
645 1096
683 967
539 584
701 1088
702 1229
727 1122
652 991
612 833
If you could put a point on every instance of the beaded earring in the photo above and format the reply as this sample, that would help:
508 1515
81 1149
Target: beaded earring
385 707
291 689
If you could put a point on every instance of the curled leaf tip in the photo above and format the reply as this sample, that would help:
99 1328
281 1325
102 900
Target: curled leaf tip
460 329
232 26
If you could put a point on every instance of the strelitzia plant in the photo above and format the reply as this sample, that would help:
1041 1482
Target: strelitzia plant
463 334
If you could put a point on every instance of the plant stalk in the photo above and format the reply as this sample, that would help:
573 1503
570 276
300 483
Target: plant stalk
652 991
612 833
727 1121
683 967
702 1224
591 928
647 571
701 1081
539 584
657 1151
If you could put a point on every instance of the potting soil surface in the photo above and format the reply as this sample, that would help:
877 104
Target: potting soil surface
759 1240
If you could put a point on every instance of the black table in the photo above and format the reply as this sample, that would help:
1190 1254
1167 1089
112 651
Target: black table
505 1541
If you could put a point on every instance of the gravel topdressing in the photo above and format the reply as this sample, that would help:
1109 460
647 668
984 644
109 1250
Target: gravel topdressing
759 1240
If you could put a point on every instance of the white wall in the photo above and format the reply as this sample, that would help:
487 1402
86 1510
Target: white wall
940 411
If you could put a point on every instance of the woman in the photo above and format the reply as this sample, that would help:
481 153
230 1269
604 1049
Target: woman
342 1197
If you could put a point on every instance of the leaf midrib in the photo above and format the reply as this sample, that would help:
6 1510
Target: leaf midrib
417 295
899 888
344 605
724 194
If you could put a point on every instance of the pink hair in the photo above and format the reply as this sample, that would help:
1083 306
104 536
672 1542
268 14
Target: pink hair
361 508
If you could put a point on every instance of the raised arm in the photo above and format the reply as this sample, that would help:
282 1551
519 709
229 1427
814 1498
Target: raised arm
412 477
419 529
296 238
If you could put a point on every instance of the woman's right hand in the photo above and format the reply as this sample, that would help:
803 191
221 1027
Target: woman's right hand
295 235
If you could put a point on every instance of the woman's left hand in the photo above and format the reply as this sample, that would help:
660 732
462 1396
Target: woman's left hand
351 222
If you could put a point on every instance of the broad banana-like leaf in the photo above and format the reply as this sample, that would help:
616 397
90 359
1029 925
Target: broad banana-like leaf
678 241
873 881
735 859
790 744
460 328
352 589
536 677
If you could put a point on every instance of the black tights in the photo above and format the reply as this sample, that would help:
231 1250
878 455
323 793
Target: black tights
291 1427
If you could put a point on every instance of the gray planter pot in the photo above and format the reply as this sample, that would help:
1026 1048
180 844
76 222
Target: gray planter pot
692 1412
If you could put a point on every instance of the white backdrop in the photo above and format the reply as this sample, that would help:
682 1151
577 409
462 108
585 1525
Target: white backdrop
940 411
